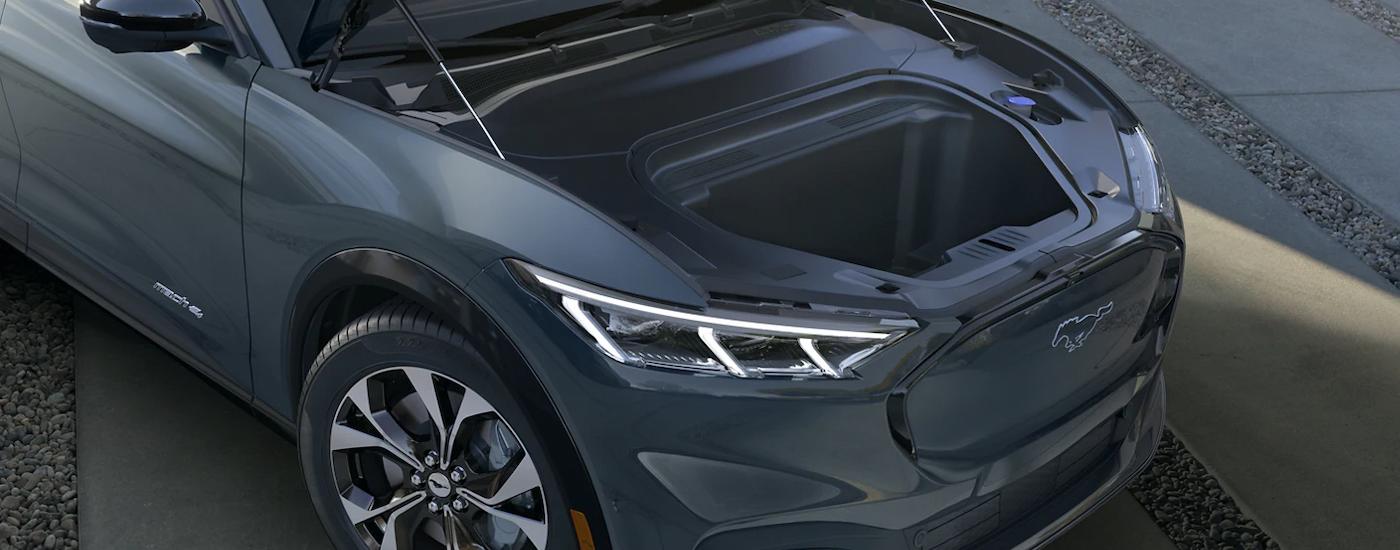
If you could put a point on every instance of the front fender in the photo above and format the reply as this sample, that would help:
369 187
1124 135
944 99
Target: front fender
420 283
325 175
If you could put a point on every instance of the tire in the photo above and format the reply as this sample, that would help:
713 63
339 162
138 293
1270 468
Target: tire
387 360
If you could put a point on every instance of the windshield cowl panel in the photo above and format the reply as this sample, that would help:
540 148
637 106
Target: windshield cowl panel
311 31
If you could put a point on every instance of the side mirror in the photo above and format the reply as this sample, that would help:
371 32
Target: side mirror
150 25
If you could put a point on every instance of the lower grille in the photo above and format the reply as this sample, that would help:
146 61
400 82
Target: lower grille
1017 499
1027 494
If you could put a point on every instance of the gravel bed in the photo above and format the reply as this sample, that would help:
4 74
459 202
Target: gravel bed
1189 505
1366 233
1376 14
38 451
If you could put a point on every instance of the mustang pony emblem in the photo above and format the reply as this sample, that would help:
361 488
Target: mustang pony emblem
1074 331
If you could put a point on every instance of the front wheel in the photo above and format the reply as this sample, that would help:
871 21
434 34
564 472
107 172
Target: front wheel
410 441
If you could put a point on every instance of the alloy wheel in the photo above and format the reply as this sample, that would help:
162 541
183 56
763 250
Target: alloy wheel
423 462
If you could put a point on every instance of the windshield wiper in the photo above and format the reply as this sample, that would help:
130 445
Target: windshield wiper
603 20
547 37
611 19
614 18
337 50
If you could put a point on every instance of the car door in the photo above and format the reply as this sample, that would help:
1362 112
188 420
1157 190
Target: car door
131 176
11 228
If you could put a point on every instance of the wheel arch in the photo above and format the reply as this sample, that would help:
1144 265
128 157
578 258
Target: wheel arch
339 280
384 274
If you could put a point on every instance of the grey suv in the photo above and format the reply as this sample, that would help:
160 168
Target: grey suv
637 274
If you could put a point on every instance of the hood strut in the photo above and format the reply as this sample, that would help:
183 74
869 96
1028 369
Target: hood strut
940 22
437 57
354 18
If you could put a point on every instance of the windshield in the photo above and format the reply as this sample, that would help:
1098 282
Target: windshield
308 26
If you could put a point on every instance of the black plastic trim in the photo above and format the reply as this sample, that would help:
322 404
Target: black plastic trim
1033 296
899 421
13 228
262 34
164 22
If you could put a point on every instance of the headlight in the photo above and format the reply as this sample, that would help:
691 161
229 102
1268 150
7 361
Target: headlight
1150 189
734 343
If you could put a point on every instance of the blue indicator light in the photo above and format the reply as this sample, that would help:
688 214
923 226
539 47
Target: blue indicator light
1021 101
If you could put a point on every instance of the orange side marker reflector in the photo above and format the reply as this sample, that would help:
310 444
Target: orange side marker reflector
581 530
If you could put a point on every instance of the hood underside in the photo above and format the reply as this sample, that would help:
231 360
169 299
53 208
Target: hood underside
835 159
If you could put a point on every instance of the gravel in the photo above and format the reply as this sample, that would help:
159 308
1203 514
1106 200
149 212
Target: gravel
38 451
1363 231
1189 504
1376 14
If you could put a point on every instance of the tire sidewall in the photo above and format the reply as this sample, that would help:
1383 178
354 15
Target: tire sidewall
366 354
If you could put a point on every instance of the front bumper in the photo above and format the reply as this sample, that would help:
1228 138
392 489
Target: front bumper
680 462
1098 452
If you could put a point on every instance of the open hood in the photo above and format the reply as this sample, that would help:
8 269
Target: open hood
830 156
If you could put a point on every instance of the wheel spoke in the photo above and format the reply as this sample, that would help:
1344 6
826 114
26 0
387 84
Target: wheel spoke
362 512
396 433
423 384
472 405
535 530
455 527
522 478
394 537
359 395
344 438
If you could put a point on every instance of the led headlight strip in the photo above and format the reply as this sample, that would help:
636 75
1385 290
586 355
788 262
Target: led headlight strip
588 308
567 289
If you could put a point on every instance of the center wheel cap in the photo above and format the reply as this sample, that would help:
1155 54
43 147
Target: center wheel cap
438 485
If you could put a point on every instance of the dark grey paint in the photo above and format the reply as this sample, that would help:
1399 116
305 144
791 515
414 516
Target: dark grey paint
179 167
9 145
663 453
435 200
135 162
9 151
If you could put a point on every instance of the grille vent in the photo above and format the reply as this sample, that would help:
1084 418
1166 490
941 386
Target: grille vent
712 165
867 113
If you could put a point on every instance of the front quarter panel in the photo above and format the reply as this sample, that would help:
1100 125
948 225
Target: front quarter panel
11 228
9 148
325 175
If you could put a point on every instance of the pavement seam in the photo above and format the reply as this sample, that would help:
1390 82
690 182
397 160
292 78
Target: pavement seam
1350 220
1225 484
1375 14
1305 94
1190 503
